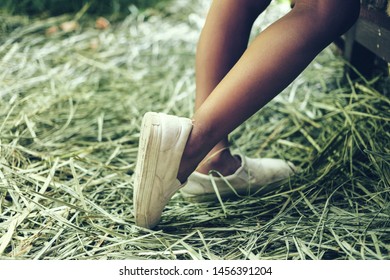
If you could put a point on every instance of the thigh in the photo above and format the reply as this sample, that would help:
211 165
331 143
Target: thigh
329 14
251 8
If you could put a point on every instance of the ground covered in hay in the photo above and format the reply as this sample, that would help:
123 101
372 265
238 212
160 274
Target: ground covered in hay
71 104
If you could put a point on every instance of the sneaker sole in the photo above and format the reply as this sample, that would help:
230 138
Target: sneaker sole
149 145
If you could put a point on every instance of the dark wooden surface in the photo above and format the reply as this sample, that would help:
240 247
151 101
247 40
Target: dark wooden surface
373 32
367 45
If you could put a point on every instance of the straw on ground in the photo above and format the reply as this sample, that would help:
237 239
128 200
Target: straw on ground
71 104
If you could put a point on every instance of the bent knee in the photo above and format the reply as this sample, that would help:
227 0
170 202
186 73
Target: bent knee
256 6
331 14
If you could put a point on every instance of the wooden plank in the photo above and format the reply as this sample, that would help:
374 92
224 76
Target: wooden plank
374 37
372 31
378 17
367 44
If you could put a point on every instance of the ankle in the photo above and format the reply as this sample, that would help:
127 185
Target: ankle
221 161
192 156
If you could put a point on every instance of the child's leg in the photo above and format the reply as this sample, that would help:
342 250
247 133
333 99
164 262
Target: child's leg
223 40
275 58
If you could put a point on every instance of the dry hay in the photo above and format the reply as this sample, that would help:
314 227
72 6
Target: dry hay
71 104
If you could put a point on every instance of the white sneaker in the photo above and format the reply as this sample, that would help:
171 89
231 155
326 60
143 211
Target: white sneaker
162 141
255 176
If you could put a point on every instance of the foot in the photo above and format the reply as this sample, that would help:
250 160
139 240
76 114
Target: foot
220 160
162 142
254 176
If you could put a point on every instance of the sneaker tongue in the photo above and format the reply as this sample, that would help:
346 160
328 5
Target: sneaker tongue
242 159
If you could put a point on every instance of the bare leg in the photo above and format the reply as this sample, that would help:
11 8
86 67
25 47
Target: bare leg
275 58
223 40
